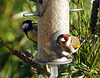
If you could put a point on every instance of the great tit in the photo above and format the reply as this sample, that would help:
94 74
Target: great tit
30 29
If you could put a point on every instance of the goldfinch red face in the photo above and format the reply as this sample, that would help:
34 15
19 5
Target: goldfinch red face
65 39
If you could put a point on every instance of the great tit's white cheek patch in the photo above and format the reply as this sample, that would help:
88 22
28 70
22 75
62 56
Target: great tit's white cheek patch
25 25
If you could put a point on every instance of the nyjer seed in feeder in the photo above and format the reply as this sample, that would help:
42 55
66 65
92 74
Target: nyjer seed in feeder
53 22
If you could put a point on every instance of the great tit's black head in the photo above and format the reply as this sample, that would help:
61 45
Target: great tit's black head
27 25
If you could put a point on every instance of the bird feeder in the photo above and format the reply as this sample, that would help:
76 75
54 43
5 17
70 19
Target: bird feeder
53 22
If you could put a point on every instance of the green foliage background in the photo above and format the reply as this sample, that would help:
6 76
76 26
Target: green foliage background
86 62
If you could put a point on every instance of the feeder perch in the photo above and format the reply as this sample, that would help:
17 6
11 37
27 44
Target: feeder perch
41 6
54 66
74 10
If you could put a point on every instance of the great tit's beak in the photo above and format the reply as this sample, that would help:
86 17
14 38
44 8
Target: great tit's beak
34 23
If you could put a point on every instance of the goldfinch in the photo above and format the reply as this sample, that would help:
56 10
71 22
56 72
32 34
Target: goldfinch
30 29
70 44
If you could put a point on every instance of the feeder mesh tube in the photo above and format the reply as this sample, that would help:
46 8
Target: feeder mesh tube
54 19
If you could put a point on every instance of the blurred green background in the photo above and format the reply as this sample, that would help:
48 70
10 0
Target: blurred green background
11 18
86 63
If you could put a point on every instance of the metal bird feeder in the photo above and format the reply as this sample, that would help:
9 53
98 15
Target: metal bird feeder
53 20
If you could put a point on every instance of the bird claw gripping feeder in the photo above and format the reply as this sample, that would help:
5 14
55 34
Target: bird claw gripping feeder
53 20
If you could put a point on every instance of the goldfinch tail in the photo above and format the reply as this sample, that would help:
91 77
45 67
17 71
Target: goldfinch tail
82 40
